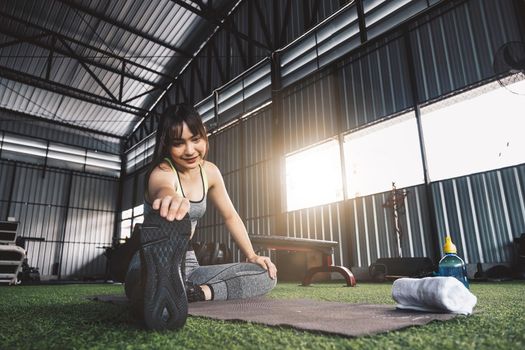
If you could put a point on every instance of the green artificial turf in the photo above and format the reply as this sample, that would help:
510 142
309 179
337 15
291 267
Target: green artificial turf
60 317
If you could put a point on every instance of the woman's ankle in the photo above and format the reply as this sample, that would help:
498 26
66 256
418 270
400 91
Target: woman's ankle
208 292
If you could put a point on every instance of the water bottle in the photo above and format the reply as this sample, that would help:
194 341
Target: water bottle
451 264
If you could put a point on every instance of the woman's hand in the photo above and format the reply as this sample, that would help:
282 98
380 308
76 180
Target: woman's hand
265 263
172 207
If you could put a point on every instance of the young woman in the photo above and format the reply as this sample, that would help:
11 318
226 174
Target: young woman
177 187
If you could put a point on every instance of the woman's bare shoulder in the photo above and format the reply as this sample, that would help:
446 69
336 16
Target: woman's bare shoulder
162 170
212 171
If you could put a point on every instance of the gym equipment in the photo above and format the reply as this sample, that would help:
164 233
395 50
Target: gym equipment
11 256
212 253
326 248
393 268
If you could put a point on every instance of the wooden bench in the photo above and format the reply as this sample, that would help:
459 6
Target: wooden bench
326 248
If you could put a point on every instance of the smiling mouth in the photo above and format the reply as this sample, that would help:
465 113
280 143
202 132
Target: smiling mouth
191 159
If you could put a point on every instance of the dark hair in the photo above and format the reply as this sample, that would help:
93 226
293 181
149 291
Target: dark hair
170 128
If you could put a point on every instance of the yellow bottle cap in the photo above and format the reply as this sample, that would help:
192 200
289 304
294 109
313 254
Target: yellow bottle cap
449 247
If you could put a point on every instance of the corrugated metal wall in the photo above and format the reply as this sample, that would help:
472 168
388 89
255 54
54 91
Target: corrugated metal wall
73 212
371 227
375 84
243 154
483 213
226 56
302 14
309 112
451 48
454 47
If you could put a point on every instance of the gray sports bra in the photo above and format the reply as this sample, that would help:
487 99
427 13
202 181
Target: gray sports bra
197 208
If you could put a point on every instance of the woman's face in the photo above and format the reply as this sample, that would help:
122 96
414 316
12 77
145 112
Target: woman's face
188 151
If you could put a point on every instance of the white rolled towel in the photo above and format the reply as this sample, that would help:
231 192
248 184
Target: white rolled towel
441 294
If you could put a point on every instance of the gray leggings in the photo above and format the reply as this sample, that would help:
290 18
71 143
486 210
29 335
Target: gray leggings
229 281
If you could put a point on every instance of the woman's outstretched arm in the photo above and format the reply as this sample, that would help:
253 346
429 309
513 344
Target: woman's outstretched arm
163 195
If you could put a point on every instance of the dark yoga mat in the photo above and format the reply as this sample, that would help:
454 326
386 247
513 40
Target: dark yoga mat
311 315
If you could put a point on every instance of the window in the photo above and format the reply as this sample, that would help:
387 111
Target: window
479 130
313 176
381 154
125 229
130 218
475 131
138 214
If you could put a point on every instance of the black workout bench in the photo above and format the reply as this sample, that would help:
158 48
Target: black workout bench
326 248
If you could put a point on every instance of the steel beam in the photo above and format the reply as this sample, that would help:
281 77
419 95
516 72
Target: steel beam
22 39
69 91
90 72
121 84
144 93
361 19
434 232
50 58
42 30
135 31
211 16
71 54
33 118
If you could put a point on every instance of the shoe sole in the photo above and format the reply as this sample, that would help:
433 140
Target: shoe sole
163 246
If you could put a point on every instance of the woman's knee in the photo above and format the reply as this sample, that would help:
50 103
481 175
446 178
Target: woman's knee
263 280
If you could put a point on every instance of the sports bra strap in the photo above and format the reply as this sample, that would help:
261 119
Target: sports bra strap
204 178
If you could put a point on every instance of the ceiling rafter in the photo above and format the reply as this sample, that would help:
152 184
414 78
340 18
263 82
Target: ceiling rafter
22 39
69 91
49 62
144 94
90 72
229 27
135 31
42 41
32 118
212 16
7 31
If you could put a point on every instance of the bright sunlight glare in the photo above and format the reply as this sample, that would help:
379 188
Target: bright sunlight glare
313 176
384 153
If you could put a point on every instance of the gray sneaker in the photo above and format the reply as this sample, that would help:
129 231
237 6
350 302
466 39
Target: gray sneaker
163 247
